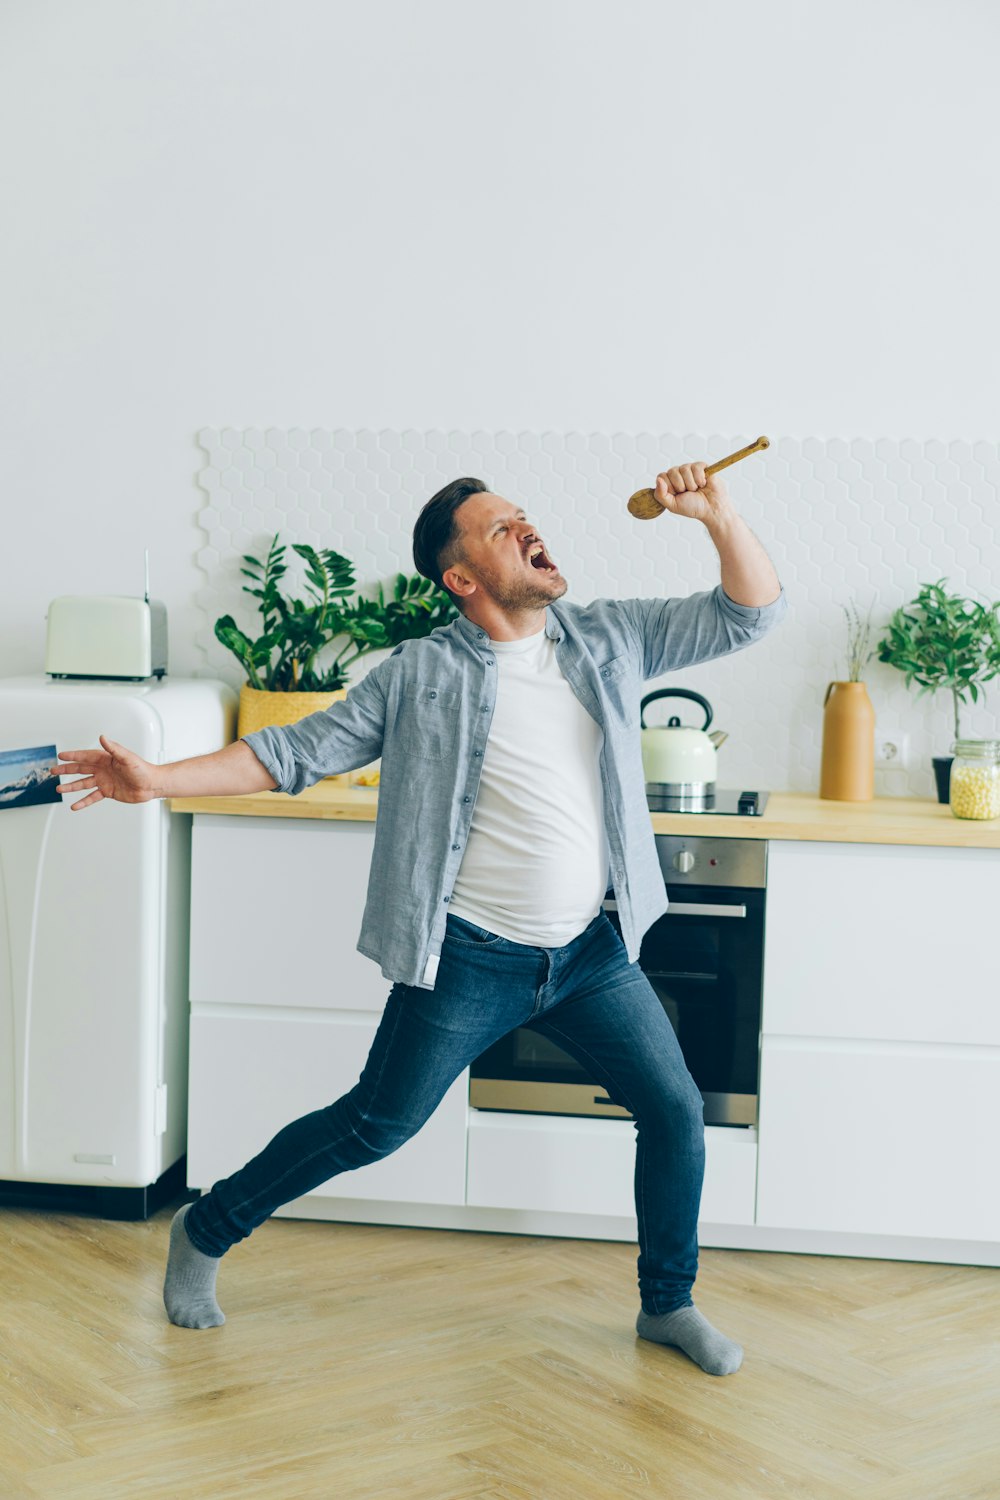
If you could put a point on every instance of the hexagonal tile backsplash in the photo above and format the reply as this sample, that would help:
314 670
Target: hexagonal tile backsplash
861 522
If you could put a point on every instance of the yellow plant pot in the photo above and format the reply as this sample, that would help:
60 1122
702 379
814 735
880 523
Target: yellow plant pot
273 710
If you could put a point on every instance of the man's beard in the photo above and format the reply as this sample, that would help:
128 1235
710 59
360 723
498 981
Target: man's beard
521 593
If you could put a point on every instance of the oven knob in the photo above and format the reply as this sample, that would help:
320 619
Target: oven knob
684 861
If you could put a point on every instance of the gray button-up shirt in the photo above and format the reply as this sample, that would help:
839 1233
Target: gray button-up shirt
426 710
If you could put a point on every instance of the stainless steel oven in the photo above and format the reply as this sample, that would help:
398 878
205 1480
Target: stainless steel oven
705 960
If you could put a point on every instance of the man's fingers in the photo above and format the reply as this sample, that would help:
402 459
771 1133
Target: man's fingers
86 801
690 477
77 786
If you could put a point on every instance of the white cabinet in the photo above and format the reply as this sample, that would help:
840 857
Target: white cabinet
880 1140
580 1166
252 1074
882 941
276 911
881 1048
284 1009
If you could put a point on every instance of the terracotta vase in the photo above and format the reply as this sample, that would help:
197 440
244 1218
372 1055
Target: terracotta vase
265 710
847 769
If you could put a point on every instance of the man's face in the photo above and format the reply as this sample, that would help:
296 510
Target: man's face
503 554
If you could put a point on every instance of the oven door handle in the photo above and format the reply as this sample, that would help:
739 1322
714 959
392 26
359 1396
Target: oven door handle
704 909
693 909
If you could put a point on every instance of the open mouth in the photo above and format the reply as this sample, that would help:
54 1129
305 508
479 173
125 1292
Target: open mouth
539 559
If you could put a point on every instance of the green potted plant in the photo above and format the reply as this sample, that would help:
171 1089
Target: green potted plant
286 677
943 640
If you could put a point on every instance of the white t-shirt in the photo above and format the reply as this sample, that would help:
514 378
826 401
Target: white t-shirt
535 868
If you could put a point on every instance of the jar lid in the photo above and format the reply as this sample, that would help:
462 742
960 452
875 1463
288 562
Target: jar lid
976 747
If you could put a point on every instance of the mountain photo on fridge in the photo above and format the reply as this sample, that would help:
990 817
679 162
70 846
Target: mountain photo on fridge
28 777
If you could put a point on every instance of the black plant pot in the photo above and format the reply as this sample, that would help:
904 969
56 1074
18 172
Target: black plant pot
942 775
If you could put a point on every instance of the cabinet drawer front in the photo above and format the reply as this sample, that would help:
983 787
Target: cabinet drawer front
276 906
249 1076
880 1141
563 1165
882 942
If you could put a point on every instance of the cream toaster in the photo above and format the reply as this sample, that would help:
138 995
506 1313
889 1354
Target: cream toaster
106 635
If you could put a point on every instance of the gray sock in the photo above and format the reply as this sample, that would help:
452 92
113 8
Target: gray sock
189 1287
686 1329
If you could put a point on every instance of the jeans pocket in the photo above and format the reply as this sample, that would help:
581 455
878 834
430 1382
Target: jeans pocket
459 930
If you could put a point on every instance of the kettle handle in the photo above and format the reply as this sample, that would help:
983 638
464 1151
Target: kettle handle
675 693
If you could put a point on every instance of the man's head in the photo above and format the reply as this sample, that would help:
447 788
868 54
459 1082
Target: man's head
482 549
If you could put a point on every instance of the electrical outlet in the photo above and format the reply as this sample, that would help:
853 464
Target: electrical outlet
891 750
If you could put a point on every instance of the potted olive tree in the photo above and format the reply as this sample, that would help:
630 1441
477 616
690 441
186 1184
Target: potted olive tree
300 660
943 640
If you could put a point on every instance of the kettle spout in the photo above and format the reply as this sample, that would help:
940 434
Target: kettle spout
717 736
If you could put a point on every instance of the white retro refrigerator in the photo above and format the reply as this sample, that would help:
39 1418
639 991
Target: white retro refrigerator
94 919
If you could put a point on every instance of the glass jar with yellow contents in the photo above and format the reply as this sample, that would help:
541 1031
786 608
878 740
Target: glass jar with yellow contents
975 779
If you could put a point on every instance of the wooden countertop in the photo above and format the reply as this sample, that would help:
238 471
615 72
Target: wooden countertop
788 815
884 820
326 799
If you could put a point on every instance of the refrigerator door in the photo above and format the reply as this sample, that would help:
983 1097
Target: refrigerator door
92 1019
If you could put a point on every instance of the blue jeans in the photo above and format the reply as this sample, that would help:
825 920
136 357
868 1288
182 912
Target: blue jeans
588 999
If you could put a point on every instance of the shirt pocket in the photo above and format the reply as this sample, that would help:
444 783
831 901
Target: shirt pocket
613 669
619 690
430 720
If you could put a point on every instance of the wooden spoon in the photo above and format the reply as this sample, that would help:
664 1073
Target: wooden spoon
644 504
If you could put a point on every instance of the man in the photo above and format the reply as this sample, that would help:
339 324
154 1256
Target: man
511 791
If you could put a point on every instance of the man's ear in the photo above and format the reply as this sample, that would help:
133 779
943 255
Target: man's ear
458 583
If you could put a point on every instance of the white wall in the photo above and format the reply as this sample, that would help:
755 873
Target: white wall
683 217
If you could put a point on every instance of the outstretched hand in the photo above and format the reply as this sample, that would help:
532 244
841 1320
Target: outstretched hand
114 772
688 492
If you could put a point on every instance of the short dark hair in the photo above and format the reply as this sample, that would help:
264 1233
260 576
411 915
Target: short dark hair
436 534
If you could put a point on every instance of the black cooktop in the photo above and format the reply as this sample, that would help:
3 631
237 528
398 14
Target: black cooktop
662 797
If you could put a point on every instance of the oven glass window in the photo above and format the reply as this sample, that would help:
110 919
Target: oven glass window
706 972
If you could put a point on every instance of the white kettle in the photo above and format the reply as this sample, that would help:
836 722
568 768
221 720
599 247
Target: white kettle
676 756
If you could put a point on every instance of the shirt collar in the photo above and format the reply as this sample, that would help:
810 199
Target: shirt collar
478 637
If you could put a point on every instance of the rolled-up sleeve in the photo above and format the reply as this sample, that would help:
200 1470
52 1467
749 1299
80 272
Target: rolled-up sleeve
676 633
342 737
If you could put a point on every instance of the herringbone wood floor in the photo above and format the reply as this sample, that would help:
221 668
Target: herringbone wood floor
360 1362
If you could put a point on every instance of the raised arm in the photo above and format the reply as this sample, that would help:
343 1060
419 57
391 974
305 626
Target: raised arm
748 575
749 601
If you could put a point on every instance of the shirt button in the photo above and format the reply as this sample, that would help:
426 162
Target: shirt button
480 636
432 694
485 708
456 846
489 661
477 753
446 900
466 799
